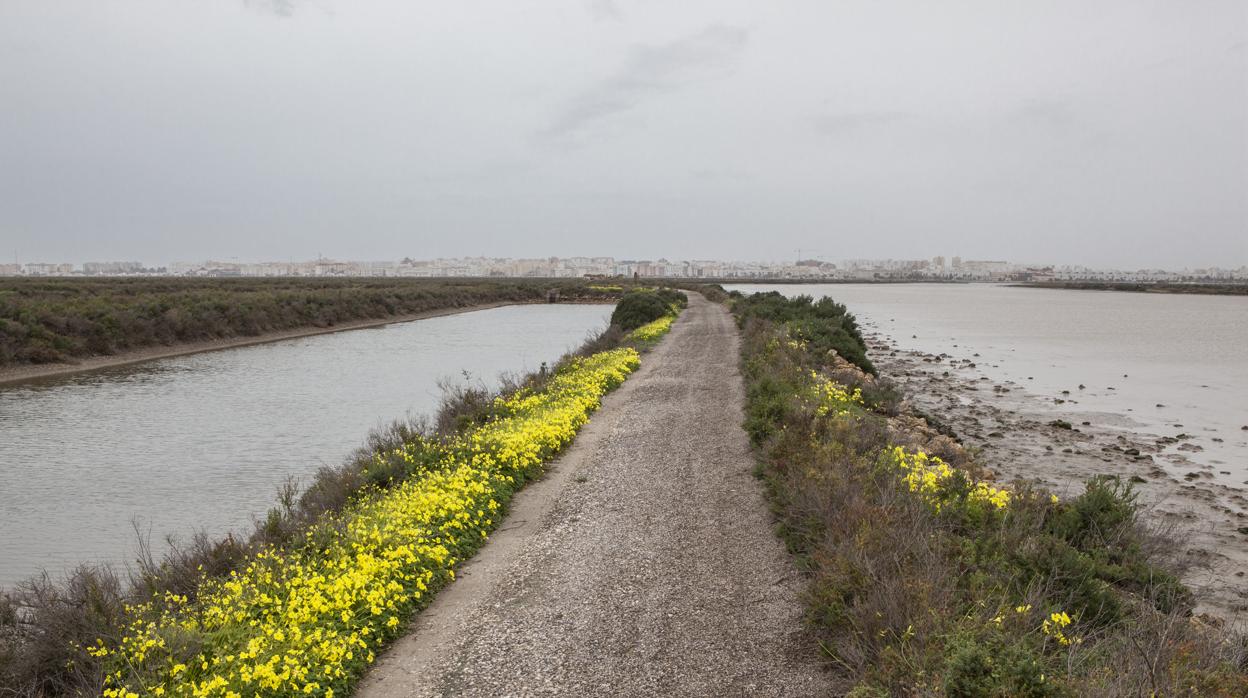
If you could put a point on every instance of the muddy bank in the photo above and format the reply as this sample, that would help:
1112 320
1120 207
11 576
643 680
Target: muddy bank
1050 439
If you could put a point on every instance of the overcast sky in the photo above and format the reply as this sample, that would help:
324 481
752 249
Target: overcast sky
1106 133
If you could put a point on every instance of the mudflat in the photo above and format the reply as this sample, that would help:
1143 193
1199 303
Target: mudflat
643 564
1017 436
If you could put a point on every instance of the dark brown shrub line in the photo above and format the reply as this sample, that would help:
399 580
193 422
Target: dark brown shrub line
58 320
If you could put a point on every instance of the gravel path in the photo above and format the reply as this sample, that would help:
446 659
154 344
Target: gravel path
643 564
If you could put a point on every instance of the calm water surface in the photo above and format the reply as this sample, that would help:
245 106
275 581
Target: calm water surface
1188 354
203 441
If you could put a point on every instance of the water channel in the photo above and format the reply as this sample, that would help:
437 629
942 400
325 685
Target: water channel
203 441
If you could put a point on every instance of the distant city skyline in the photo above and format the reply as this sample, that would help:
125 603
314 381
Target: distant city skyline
795 255
937 267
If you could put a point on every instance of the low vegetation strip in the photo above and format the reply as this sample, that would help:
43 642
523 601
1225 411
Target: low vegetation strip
308 620
929 578
56 320
1193 288
328 578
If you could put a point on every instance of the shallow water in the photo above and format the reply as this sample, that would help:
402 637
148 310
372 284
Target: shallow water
1157 364
203 441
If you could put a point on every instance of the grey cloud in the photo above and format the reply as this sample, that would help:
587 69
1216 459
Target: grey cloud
1108 133
651 70
605 10
839 123
281 8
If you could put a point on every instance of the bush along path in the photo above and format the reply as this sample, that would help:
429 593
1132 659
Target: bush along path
306 608
644 565
925 577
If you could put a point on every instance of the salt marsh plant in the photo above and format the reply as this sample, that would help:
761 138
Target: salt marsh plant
927 576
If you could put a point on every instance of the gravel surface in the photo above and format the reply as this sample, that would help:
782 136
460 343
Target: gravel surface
643 564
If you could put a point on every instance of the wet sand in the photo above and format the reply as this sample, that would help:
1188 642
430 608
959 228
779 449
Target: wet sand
1015 432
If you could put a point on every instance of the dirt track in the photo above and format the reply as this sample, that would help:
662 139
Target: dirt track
643 564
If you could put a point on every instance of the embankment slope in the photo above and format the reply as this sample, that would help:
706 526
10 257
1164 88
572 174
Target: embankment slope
643 564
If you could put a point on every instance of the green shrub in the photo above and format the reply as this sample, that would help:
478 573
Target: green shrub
824 324
639 307
987 670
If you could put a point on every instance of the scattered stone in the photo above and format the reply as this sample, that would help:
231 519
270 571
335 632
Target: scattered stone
1160 405
1137 478
1086 424
1061 424
1132 451
1082 386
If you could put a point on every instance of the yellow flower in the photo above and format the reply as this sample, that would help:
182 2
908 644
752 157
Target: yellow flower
652 331
1055 625
307 619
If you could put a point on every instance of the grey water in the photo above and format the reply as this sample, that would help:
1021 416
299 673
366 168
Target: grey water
203 441
1160 364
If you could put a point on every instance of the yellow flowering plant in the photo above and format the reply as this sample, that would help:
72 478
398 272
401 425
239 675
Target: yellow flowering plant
307 619
830 398
653 331
938 483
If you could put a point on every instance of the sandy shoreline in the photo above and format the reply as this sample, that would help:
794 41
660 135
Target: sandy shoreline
22 374
1014 433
